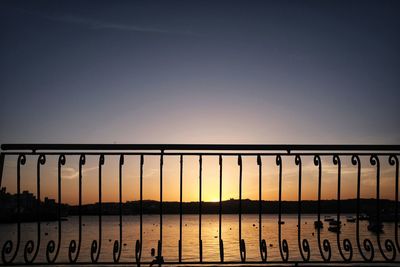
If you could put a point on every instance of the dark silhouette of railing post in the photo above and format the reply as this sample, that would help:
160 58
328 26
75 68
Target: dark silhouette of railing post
118 243
242 244
221 242
389 245
180 207
326 245
138 246
262 243
200 210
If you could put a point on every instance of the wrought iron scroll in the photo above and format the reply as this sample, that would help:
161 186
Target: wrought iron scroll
30 245
346 242
8 245
389 245
367 244
118 243
73 247
304 246
394 161
326 246
96 245
51 246
377 250
283 244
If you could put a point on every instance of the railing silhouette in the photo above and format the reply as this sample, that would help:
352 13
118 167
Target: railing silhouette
369 251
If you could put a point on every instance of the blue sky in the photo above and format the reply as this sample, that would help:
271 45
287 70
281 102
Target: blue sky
200 72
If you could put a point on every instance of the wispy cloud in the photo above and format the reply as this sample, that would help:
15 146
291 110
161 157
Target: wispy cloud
95 24
151 172
72 173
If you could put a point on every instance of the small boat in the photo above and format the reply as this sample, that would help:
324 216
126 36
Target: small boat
363 217
335 223
375 227
318 225
351 219
388 217
334 229
328 218
281 222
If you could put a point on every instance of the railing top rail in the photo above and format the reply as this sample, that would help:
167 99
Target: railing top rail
199 147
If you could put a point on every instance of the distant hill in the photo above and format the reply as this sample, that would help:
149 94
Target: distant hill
47 210
232 207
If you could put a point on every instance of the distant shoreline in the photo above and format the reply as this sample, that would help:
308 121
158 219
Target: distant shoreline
349 206
152 207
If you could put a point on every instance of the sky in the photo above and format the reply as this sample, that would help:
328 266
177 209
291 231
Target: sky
286 72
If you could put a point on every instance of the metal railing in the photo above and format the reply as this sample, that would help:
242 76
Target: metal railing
367 249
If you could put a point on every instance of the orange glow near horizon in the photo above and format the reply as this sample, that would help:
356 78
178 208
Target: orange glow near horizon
210 178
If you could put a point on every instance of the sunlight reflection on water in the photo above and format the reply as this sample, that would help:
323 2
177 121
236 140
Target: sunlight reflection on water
190 247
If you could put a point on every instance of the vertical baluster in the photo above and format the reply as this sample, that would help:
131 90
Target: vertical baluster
355 160
262 243
96 246
82 161
200 206
138 246
8 245
118 244
73 248
326 244
394 161
283 245
221 242
2 156
160 258
29 246
51 246
180 206
389 245
304 245
242 244
346 242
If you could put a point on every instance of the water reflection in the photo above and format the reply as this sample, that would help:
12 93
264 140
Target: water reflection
190 245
